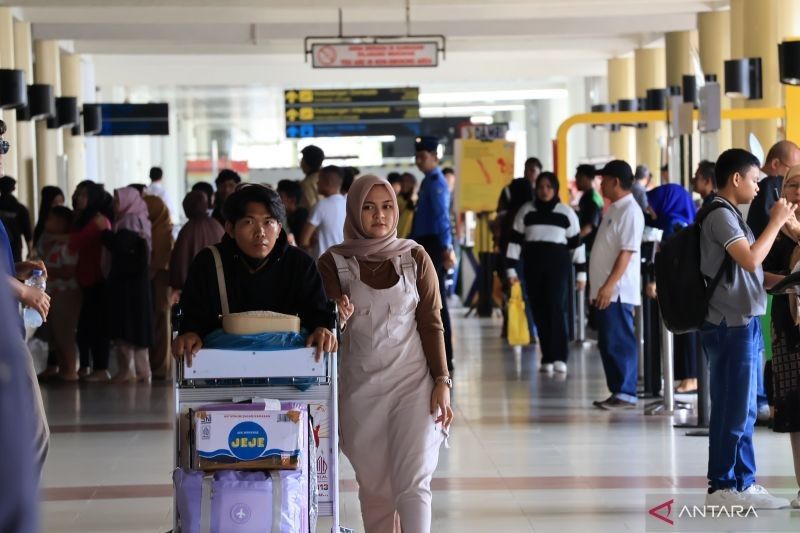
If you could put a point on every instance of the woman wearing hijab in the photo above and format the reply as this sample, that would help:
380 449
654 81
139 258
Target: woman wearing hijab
86 240
51 197
671 209
159 216
129 246
546 236
201 231
782 259
394 384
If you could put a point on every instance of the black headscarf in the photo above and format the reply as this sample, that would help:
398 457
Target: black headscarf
541 205
49 193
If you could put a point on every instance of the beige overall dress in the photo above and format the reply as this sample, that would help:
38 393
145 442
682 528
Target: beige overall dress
387 430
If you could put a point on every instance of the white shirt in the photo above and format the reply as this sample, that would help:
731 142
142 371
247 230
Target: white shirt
328 216
620 230
156 189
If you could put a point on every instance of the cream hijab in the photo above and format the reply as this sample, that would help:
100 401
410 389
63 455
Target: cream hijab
792 227
356 242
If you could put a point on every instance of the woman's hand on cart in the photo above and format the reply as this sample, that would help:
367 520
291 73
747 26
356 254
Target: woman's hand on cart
324 340
186 345
346 309
440 404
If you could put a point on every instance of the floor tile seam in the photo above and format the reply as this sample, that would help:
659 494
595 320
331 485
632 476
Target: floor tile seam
481 443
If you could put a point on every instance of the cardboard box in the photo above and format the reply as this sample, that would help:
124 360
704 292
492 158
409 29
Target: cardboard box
248 439
320 416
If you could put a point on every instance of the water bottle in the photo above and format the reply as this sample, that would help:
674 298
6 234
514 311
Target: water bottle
31 316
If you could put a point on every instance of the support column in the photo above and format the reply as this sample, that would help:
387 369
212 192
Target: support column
10 160
49 143
27 186
679 56
679 46
621 85
789 28
73 144
761 40
714 50
738 127
650 74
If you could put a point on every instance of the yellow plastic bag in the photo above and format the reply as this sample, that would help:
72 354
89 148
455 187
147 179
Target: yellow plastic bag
518 332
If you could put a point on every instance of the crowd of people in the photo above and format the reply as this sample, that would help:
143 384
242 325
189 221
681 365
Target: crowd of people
539 237
114 270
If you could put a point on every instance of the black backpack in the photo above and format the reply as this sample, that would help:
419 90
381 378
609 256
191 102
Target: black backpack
683 290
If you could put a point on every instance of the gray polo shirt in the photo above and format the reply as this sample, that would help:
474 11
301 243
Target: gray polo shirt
742 296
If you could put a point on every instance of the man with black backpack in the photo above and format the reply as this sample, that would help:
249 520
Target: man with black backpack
731 331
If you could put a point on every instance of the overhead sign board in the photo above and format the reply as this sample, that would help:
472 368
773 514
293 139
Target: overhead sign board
134 119
299 97
352 112
375 55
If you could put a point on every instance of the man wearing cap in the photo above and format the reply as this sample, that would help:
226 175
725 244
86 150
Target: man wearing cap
432 227
614 279
313 156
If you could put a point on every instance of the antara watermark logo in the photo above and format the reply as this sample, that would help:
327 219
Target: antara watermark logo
688 513
717 511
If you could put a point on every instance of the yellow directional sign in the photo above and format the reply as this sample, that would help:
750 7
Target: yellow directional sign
306 96
306 113
292 114
291 96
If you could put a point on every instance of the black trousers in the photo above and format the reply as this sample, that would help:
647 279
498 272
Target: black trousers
685 355
547 284
434 248
93 335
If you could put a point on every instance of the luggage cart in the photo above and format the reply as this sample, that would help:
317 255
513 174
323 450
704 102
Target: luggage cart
226 375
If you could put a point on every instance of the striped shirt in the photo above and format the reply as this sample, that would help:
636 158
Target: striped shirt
559 226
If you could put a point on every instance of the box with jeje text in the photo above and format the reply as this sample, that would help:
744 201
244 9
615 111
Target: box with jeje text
248 439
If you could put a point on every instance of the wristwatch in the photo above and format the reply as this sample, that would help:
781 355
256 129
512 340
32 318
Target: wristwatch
446 380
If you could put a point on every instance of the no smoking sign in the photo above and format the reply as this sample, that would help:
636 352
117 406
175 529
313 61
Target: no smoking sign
326 55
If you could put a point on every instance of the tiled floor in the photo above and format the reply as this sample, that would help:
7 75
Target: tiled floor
529 452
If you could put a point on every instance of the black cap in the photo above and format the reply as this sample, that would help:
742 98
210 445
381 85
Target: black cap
313 155
426 143
618 169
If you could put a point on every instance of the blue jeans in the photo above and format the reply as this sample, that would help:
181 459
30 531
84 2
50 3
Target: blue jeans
619 349
733 356
761 394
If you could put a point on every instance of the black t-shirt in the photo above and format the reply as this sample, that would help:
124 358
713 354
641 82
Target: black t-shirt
296 221
17 221
589 213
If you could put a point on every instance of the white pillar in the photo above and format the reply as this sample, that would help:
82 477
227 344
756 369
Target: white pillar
50 144
27 183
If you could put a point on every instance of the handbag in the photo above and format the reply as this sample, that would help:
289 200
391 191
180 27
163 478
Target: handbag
518 332
249 322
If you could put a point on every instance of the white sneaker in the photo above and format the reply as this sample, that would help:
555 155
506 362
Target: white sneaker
546 368
796 502
725 498
759 498
560 367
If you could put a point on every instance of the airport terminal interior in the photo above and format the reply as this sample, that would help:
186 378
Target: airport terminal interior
399 265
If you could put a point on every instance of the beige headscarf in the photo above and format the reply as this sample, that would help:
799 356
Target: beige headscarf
356 242
158 213
792 227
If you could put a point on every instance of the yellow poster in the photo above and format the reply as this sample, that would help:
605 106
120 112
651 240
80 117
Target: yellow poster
483 168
